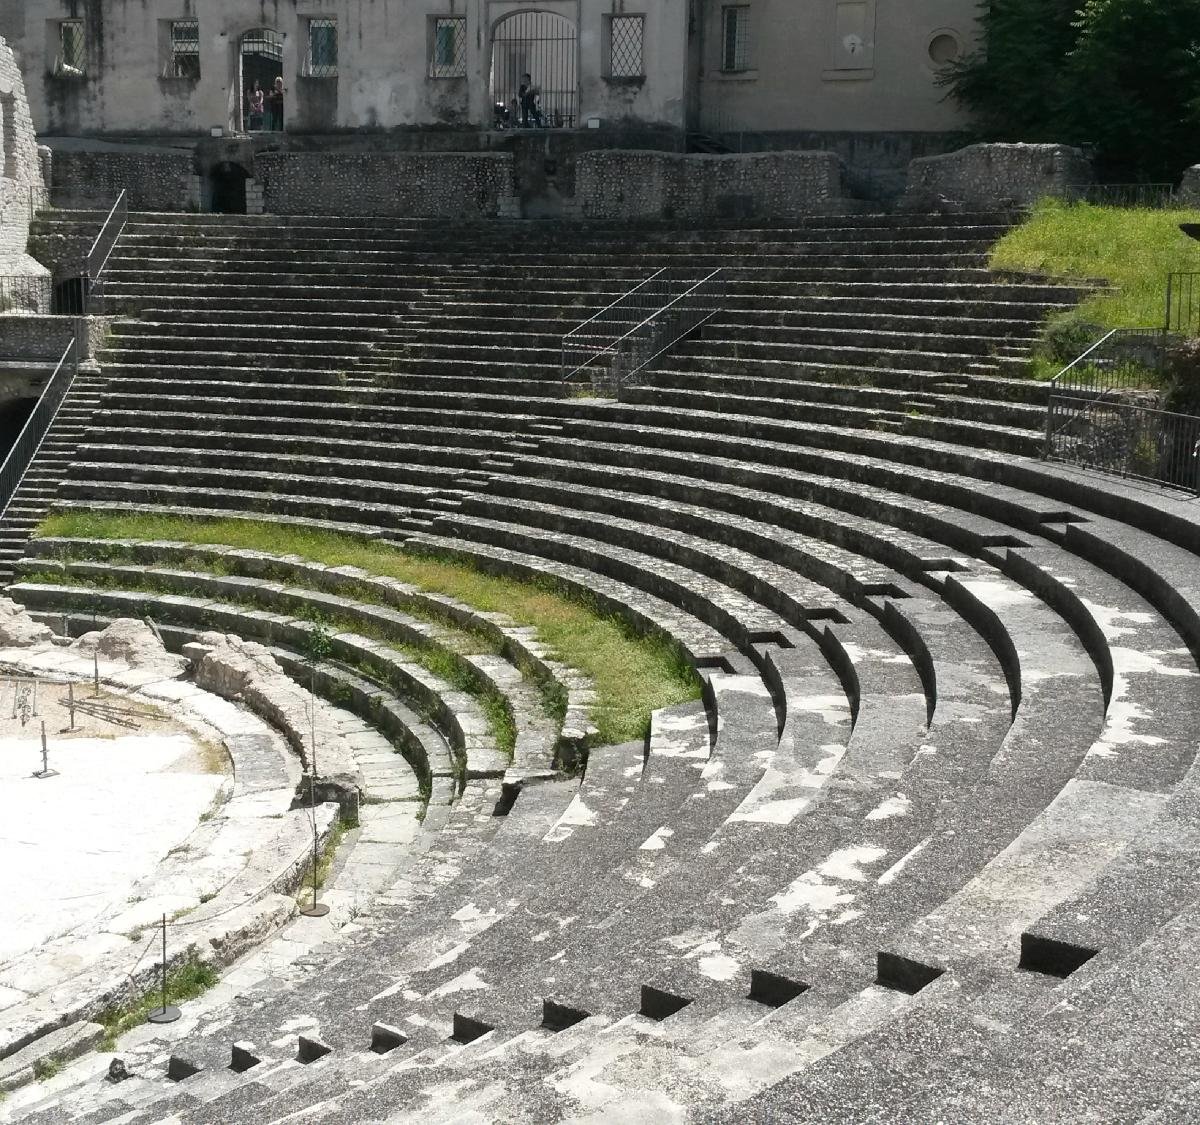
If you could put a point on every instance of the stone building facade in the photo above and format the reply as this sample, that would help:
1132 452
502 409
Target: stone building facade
747 67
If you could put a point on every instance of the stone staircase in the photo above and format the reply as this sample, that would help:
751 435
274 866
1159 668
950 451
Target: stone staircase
926 838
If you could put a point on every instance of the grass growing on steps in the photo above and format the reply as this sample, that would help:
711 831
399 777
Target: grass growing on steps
1134 249
434 660
184 982
633 675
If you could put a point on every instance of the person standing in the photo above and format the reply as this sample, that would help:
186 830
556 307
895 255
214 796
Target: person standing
275 106
257 108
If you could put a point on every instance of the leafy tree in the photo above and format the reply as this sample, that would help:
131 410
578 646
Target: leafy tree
1121 75
1013 82
1133 85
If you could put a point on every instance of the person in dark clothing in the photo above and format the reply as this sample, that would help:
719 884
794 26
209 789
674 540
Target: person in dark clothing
275 107
529 99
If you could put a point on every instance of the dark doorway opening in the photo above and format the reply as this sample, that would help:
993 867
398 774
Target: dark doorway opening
260 63
229 188
69 297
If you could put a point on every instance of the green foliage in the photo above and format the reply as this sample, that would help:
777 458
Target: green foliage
1122 75
46 1068
633 674
1133 85
1010 82
318 644
1131 249
185 982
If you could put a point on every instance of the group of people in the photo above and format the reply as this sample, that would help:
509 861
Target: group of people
264 110
525 110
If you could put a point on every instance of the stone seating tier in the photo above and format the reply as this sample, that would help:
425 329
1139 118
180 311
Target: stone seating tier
939 787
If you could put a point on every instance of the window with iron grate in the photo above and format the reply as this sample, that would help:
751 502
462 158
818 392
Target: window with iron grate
184 61
448 58
322 58
735 37
625 47
72 50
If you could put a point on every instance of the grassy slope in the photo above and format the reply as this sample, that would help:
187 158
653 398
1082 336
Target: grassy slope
1134 249
632 675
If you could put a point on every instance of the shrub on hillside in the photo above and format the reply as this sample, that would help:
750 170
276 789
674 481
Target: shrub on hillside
1067 336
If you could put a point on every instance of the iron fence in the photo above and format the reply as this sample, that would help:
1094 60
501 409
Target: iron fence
1130 439
1104 412
33 433
632 332
1183 303
25 293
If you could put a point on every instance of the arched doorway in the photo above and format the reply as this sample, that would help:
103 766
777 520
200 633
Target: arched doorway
229 188
545 47
260 59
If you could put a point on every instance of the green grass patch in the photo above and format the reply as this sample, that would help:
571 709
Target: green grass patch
632 674
184 982
46 1068
1131 248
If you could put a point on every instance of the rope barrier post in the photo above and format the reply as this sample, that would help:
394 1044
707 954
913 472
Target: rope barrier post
95 673
315 909
45 771
165 1014
35 685
71 701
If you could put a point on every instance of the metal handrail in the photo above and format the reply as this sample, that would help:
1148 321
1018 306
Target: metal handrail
655 315
101 251
608 308
33 433
671 322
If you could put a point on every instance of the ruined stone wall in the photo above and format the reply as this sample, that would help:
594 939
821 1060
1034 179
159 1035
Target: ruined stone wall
1189 190
619 184
993 175
445 185
154 180
20 171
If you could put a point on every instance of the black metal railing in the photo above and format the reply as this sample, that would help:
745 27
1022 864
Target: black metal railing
101 251
1130 439
1183 303
25 293
638 327
33 433
1104 412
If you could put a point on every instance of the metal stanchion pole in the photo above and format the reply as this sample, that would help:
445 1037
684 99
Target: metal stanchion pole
71 701
45 771
95 673
165 1014
316 909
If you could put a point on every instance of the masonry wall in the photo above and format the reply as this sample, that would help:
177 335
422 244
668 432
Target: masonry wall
990 175
154 181
384 76
20 171
620 184
1189 190
442 185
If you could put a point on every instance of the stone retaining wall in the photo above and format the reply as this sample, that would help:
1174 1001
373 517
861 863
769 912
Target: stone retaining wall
624 184
1189 190
448 185
993 175
155 181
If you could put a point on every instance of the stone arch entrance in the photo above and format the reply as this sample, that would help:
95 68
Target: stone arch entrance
259 59
545 46
228 182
